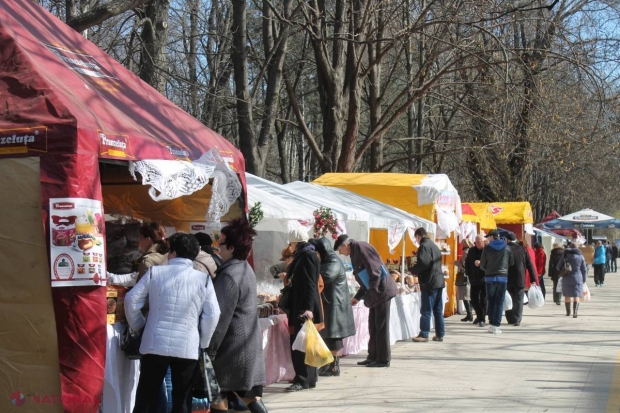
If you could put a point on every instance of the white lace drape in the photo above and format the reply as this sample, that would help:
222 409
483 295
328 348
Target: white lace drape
173 179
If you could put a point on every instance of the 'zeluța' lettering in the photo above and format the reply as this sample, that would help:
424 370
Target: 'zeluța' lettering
17 139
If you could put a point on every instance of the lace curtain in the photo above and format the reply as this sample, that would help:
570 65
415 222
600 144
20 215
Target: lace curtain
173 179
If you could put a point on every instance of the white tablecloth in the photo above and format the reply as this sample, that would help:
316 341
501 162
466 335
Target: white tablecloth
121 374
404 317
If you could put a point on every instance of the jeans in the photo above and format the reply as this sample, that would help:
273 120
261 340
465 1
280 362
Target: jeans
541 280
496 292
432 303
608 264
614 265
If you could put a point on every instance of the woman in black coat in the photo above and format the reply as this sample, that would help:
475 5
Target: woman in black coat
303 277
338 313
554 258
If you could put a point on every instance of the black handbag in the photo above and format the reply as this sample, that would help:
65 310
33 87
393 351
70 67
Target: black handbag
205 385
130 343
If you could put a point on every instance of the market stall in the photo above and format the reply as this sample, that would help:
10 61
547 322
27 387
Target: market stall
484 213
388 224
516 217
586 219
572 234
432 197
280 217
470 224
74 128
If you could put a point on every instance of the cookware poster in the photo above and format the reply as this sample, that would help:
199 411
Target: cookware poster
76 242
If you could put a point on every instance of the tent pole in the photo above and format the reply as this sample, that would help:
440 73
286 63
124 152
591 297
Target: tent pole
402 259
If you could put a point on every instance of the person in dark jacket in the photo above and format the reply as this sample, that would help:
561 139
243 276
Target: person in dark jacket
463 287
430 276
337 311
236 346
303 277
608 257
495 261
206 245
516 279
554 273
476 279
614 257
574 280
377 296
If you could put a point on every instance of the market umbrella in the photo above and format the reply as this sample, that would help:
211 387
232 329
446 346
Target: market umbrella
586 219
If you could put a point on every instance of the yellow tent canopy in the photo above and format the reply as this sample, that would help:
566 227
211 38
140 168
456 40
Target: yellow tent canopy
483 210
421 195
469 215
512 212
399 190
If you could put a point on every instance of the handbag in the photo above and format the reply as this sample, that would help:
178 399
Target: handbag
285 301
130 343
132 339
566 269
205 385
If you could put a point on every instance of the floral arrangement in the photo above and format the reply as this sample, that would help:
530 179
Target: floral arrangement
325 223
256 214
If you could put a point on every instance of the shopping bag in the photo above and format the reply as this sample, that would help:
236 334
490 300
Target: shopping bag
205 385
317 353
525 299
507 302
300 341
536 297
558 289
586 293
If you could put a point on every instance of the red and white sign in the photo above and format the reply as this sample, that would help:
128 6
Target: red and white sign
496 209
77 254
23 140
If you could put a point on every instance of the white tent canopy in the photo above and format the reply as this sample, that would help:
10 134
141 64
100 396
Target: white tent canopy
586 215
353 221
382 216
277 211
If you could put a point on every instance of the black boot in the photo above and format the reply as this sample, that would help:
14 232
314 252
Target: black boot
469 317
567 309
257 407
575 308
333 368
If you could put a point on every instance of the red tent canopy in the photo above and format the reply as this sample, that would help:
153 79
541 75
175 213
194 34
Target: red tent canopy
64 100
62 94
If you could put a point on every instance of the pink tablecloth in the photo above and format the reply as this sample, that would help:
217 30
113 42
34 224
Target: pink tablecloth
277 349
358 342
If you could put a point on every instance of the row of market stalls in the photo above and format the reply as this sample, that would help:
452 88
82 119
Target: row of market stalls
84 141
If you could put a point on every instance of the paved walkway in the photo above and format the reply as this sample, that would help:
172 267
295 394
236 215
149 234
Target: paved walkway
551 363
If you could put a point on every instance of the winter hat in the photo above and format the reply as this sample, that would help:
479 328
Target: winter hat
298 235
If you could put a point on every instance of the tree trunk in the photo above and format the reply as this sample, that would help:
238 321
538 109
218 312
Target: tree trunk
192 56
153 66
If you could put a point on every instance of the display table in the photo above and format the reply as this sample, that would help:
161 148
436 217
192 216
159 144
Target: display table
121 374
358 342
276 349
405 317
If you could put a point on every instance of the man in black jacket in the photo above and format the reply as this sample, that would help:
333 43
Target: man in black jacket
495 261
614 257
476 280
430 276
378 297
516 279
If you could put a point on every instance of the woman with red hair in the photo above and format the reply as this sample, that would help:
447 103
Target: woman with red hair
236 347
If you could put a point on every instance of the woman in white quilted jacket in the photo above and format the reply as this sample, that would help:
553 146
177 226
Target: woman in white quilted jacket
179 298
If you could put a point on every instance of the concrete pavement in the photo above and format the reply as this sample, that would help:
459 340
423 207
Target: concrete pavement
551 363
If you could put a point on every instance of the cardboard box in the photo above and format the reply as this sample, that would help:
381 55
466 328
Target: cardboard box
588 254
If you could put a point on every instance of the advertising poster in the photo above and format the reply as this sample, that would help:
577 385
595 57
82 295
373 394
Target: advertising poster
211 229
76 242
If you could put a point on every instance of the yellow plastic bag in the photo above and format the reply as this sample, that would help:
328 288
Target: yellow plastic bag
317 353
